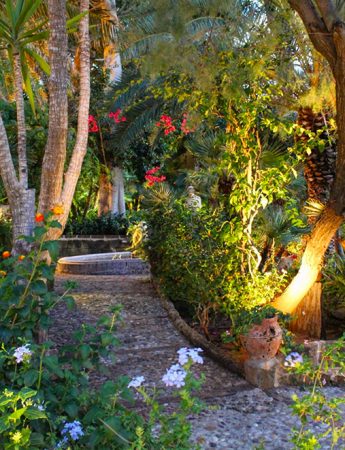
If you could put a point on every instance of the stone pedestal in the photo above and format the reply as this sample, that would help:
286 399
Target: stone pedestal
261 373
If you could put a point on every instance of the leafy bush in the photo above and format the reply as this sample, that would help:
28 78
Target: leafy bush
104 224
46 397
334 283
315 406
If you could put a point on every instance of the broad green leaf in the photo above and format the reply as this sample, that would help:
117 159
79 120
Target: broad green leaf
33 413
4 425
16 415
72 410
26 393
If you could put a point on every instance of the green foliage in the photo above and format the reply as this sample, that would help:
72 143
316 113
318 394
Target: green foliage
245 319
46 390
18 33
333 282
316 407
97 225
23 288
188 256
17 410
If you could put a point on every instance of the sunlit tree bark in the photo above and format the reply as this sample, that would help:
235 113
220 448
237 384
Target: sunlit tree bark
327 33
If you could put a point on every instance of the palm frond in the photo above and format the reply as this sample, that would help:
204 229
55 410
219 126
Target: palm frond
314 208
146 44
204 24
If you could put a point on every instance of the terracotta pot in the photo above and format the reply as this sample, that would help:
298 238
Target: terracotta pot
263 340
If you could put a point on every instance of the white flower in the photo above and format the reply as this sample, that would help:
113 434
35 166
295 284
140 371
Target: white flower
293 359
184 354
136 382
175 376
22 353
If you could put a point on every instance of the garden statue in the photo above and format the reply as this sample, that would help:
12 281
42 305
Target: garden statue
193 201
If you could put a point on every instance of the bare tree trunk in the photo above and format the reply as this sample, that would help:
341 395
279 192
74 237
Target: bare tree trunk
21 200
312 261
104 193
21 128
80 148
308 313
118 191
55 152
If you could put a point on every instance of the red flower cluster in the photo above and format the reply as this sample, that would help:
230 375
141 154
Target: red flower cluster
149 176
93 127
166 123
117 116
184 127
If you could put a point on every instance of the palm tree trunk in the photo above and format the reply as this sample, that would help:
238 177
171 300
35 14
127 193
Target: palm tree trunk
80 148
55 189
55 152
118 191
104 192
21 200
21 128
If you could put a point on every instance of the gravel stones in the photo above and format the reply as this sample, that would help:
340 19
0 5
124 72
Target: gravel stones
238 416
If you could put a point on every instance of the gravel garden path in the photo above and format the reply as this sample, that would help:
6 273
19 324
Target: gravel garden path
238 415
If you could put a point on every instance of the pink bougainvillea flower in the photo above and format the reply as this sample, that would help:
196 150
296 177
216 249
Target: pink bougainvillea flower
166 123
151 178
184 128
117 116
93 127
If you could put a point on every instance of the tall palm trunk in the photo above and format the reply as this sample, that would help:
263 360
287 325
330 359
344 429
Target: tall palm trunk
21 128
80 148
104 192
319 174
21 200
57 187
55 152
118 204
112 61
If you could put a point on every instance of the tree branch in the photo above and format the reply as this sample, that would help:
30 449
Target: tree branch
316 29
328 13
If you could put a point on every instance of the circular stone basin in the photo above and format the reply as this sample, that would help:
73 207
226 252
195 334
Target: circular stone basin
116 263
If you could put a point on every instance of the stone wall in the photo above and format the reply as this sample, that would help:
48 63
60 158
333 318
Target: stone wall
85 245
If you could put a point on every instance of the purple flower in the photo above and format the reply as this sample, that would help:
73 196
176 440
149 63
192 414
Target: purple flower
22 353
73 429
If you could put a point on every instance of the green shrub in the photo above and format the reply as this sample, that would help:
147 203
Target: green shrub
46 397
98 225
197 257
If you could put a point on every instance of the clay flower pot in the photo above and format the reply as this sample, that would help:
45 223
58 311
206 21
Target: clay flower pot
263 341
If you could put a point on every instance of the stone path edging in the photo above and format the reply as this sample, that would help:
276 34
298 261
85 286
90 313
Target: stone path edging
219 355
